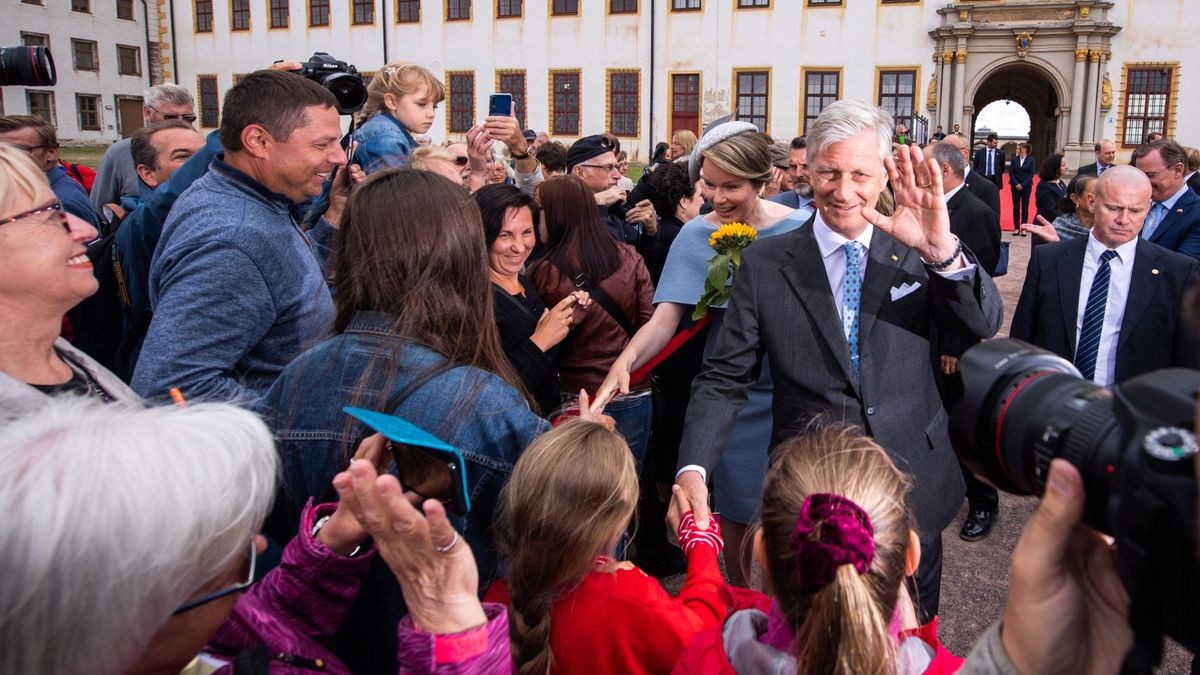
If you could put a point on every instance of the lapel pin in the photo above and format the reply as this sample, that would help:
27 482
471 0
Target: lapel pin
894 258
1154 271
1178 210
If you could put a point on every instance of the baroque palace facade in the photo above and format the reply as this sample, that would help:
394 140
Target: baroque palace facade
641 69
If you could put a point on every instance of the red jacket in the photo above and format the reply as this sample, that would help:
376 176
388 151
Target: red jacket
84 175
624 622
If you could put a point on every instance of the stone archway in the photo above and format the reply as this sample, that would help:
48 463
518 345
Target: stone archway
1058 47
1034 90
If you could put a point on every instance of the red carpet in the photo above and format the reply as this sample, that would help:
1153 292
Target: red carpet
1006 205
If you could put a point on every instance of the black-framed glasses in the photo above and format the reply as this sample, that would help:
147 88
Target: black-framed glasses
607 168
53 207
190 118
229 590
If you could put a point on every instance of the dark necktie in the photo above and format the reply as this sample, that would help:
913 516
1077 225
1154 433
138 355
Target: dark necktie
1088 345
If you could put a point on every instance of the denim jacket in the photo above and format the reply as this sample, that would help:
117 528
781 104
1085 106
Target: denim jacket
383 143
367 366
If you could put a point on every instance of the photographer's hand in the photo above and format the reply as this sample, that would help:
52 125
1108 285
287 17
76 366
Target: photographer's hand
1067 609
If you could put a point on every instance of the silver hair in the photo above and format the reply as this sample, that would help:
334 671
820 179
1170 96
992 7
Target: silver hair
843 120
171 94
945 153
113 517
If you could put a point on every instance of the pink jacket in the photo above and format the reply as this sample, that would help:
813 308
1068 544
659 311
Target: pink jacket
291 614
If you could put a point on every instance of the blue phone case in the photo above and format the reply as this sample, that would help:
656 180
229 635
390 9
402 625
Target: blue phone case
500 105
400 430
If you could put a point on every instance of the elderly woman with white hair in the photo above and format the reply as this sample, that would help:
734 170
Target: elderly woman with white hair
129 545
736 164
43 254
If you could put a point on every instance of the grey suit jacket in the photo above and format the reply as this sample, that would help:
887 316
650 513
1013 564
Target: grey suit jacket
782 307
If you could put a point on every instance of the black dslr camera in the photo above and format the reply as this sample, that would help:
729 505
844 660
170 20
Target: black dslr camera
340 78
27 66
1135 448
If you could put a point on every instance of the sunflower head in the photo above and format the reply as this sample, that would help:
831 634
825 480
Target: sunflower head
733 236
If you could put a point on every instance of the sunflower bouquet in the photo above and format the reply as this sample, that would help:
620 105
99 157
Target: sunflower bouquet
728 241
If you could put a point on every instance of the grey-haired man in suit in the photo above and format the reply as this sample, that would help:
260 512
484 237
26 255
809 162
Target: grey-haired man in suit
844 309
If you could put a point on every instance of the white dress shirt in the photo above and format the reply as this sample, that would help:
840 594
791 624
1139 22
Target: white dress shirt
1120 274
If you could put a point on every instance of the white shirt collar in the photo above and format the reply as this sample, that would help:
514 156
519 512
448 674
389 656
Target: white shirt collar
1169 202
1095 249
955 190
830 242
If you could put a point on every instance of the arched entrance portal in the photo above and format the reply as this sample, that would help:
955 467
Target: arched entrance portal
1028 87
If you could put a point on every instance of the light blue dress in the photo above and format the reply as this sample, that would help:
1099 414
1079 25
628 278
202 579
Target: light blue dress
738 478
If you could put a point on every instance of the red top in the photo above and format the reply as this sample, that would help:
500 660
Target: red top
624 622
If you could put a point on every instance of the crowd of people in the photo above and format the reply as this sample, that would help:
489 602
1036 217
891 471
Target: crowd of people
195 359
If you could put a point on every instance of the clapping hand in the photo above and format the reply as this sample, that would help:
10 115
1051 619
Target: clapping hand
435 568
920 220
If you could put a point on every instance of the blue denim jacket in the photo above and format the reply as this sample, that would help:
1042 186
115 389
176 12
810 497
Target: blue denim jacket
383 143
367 366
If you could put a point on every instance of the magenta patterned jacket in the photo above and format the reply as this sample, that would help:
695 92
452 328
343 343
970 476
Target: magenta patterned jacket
298 606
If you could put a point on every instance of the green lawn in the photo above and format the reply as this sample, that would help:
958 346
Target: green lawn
635 171
87 156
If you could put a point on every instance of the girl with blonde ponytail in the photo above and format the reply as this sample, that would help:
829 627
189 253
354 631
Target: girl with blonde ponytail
837 540
572 607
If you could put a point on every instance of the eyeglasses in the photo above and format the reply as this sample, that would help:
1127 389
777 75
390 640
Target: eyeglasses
239 586
603 167
461 160
53 207
187 117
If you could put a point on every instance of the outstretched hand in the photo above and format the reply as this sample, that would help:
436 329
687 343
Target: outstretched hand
920 221
1042 229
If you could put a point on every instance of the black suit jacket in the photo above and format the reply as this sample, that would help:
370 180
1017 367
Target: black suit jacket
782 307
985 189
977 226
1090 169
1194 182
1152 334
979 163
1020 171
1049 196
1180 228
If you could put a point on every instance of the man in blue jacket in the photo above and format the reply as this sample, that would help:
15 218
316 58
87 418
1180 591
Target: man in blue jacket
235 287
38 138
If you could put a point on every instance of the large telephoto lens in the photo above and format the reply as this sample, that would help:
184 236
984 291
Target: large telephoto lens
1023 406
27 66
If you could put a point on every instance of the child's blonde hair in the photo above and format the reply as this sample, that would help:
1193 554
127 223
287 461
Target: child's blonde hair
398 79
841 627
570 496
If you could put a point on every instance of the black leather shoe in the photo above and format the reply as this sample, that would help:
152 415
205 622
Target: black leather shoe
978 524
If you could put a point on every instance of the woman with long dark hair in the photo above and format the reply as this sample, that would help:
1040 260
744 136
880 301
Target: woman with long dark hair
1050 190
530 334
414 336
581 254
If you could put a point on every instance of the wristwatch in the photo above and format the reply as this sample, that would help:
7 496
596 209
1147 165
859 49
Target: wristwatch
518 155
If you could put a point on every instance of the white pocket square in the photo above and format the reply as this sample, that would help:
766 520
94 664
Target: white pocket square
904 289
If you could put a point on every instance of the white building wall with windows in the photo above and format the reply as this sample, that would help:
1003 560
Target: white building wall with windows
87 102
849 46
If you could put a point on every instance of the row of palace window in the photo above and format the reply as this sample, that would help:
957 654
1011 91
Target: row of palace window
1147 99
409 11
85 54
87 108
124 7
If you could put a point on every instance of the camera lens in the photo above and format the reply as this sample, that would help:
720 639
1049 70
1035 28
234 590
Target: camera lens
349 91
27 66
1024 406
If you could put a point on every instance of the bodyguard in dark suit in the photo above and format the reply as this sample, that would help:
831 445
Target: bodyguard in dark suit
1110 302
989 161
844 308
979 229
1020 182
981 187
1174 218
1106 154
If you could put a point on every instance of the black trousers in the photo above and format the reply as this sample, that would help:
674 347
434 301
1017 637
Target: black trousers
925 586
1020 199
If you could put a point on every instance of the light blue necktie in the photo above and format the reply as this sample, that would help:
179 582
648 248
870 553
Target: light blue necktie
1157 213
1088 346
851 299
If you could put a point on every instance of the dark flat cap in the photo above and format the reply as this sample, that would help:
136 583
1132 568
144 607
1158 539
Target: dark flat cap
586 148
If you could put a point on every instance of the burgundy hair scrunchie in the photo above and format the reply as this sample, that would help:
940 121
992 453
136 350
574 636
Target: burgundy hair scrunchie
831 531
